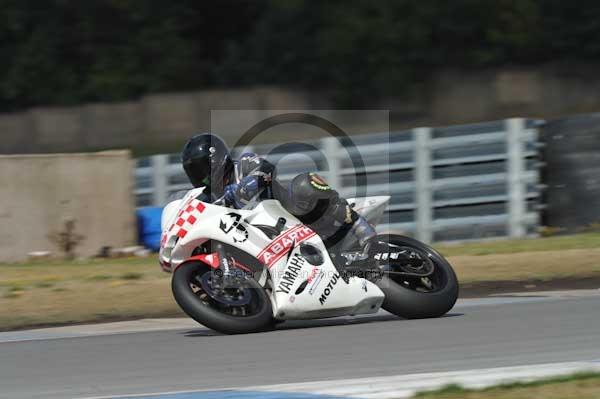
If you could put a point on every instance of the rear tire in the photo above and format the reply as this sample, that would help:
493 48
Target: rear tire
410 303
261 318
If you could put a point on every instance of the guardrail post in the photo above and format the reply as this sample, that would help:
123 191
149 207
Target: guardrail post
331 150
423 187
160 179
515 129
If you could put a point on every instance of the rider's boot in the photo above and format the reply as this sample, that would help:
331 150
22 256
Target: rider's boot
363 231
366 236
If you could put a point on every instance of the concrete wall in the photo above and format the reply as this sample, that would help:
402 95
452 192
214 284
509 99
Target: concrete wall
162 122
39 192
150 125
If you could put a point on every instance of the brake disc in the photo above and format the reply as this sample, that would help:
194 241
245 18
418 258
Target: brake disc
227 294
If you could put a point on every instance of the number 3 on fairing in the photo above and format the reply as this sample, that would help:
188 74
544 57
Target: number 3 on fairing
231 222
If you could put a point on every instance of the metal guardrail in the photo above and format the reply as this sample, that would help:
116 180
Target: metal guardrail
464 182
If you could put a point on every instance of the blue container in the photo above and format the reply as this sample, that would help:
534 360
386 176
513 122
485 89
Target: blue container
149 230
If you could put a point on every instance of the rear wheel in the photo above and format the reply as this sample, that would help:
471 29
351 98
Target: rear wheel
238 308
410 295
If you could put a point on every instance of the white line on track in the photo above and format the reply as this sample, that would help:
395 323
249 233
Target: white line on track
405 386
402 386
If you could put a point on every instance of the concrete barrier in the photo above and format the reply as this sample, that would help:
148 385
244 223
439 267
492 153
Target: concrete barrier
572 173
39 193
161 122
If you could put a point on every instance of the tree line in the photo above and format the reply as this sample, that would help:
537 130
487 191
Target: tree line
65 52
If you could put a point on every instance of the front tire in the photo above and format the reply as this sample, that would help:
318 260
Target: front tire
412 299
200 306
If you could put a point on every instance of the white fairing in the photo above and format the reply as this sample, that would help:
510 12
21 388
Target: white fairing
168 213
300 290
371 208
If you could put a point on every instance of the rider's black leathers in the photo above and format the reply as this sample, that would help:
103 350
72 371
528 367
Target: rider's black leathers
307 196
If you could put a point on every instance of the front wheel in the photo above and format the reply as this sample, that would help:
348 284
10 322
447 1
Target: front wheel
230 309
414 297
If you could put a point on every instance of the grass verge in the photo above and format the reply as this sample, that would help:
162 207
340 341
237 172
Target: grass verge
575 256
46 293
556 243
576 386
38 294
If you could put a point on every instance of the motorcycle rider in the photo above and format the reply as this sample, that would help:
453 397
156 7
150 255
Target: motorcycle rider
207 162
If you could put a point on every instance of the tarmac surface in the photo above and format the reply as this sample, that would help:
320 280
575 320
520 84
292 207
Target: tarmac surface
512 330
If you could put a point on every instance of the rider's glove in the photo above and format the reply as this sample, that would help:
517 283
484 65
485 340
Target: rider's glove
230 194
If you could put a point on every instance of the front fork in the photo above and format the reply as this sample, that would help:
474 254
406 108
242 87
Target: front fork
224 263
227 274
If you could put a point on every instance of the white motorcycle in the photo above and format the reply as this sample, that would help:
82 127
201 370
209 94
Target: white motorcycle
241 271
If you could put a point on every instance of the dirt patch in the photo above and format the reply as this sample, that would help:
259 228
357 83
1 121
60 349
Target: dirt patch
487 288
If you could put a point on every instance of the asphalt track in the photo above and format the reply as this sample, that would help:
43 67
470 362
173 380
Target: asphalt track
477 334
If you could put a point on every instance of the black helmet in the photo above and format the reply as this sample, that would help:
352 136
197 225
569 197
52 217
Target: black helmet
207 162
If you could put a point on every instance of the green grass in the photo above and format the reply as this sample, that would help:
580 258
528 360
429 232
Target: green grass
59 292
577 241
575 386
